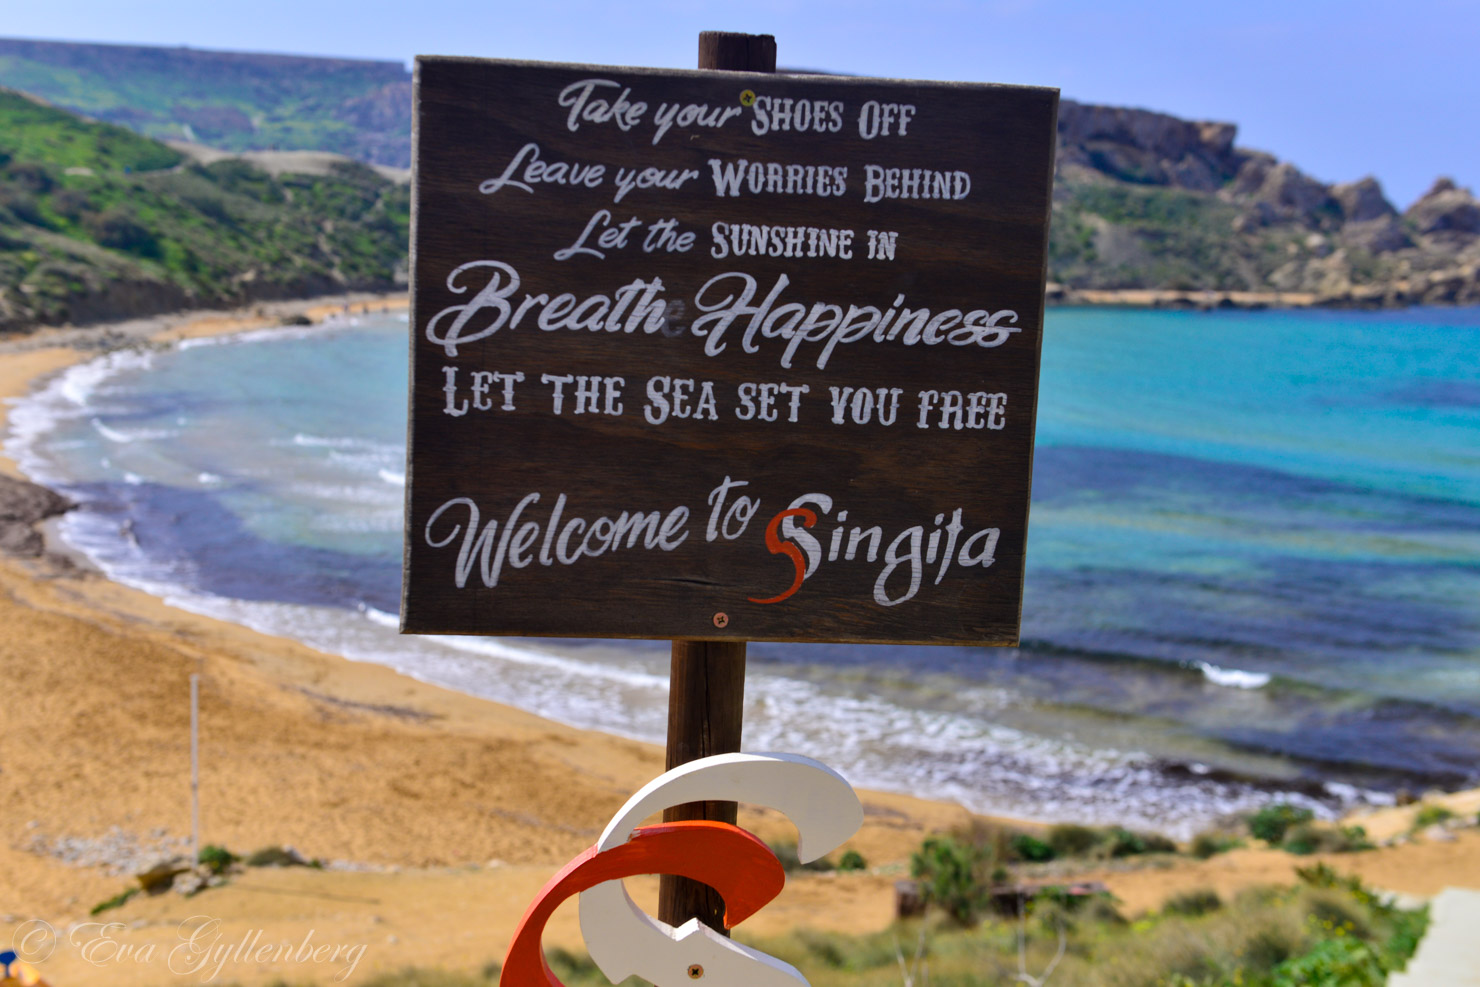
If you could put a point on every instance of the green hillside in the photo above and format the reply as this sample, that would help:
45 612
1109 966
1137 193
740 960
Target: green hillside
97 222
232 100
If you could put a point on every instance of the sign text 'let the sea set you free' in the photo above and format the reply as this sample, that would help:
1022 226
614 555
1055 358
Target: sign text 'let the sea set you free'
724 355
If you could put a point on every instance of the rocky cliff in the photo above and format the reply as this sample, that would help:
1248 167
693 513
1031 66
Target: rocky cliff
1147 200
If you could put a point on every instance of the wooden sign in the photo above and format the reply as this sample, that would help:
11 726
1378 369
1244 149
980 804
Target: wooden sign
722 355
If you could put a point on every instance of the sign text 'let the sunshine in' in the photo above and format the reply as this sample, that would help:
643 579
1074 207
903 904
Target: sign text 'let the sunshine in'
713 354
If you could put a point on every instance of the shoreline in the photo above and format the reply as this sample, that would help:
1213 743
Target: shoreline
345 761
1061 296
1390 297
457 809
27 360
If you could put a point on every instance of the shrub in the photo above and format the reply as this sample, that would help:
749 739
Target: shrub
1030 849
1308 838
1334 962
1070 840
1199 901
117 229
1156 843
217 858
1205 845
240 178
786 853
828 949
73 203
278 856
1431 815
948 876
1268 937
1303 840
572 967
22 205
852 860
1273 821
114 902
211 205
1340 911
1124 843
31 176
1270 946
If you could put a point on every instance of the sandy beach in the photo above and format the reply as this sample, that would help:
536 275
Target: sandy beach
441 815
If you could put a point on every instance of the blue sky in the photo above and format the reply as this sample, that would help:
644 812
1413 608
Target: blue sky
1342 89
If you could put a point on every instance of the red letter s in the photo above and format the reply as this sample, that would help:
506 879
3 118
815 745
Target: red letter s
779 547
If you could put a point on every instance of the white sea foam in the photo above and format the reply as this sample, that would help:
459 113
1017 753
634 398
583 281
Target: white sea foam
1233 678
139 435
376 522
344 442
70 395
622 689
368 460
343 493
269 334
79 383
380 617
959 754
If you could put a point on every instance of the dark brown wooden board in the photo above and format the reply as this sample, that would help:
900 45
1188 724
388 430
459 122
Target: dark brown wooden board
968 258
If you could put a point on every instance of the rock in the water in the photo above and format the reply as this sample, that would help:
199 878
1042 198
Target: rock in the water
1446 208
22 506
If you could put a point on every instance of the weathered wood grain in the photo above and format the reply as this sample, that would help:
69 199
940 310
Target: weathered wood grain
984 252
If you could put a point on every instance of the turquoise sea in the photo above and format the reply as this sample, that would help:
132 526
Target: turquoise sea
1253 563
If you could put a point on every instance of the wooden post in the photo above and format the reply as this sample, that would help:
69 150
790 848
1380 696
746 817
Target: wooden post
706 682
730 52
194 769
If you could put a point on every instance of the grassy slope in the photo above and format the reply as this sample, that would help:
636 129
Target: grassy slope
1122 235
91 213
1325 932
1110 229
234 101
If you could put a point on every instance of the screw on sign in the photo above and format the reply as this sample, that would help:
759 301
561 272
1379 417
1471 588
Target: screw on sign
625 941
